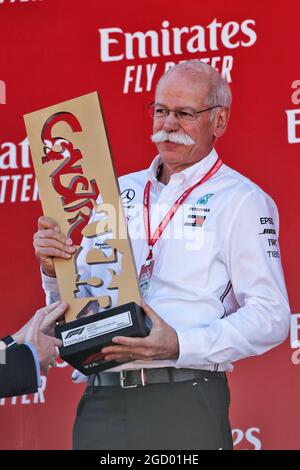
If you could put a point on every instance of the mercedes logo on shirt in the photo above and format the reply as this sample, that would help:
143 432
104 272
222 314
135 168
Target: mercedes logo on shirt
127 195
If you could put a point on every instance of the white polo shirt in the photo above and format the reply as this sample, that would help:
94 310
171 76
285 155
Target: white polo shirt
217 277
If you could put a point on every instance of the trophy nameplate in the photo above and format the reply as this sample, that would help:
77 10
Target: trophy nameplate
76 179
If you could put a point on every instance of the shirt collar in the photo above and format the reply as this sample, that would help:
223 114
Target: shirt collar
187 177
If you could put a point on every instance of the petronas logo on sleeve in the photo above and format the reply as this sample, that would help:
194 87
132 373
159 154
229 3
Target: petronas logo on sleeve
203 200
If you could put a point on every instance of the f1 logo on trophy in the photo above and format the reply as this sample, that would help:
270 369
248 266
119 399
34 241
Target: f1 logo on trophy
78 188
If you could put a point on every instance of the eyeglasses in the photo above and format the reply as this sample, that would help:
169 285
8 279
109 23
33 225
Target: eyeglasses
157 111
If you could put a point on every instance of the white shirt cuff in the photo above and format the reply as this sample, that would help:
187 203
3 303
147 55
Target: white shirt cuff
189 353
49 283
50 287
36 361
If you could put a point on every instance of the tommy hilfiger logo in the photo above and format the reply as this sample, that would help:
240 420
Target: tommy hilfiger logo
195 220
194 217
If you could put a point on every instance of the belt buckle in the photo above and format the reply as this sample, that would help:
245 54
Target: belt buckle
123 379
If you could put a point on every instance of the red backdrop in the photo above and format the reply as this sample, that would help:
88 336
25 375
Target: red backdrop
52 51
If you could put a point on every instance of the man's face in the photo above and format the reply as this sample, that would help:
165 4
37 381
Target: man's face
178 91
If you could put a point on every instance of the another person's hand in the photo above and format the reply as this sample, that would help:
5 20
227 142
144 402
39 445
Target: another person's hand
162 343
54 313
48 242
46 346
50 315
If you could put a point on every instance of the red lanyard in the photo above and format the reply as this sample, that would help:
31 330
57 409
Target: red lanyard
168 217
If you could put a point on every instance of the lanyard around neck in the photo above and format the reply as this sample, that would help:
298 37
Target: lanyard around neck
168 217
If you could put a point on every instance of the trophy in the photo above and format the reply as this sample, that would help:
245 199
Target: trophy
76 180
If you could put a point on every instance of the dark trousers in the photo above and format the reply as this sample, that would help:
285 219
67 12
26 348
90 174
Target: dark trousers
182 415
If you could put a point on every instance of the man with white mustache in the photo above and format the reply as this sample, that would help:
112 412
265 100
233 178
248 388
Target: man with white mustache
209 306
175 137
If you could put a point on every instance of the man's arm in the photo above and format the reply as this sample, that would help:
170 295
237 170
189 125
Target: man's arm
18 374
48 243
34 349
262 320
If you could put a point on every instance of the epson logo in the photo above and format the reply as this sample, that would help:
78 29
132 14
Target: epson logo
2 91
77 332
117 45
266 220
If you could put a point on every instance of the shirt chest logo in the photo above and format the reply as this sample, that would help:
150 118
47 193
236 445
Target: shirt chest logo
195 220
202 201
127 196
195 217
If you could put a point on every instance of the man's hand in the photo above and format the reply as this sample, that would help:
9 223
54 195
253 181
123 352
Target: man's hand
45 345
50 315
48 242
162 343
53 313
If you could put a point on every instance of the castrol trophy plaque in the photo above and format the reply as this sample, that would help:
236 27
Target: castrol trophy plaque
79 190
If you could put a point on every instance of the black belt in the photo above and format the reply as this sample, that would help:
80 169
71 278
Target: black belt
136 377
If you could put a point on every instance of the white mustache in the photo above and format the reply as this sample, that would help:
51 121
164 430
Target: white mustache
175 137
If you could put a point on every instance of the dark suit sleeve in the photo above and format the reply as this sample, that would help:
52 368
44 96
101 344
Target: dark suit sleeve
18 375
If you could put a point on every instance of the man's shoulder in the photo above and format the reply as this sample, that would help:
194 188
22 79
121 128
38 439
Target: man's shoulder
134 180
242 185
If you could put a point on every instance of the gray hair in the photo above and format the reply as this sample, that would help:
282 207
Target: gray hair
219 90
